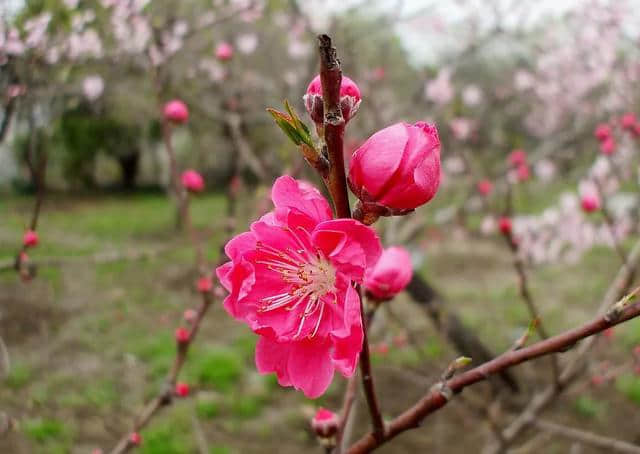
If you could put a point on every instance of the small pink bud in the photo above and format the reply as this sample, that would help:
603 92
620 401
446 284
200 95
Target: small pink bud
325 423
205 284
602 132
608 146
381 348
597 380
96 451
182 389
192 181
518 158
219 292
523 173
224 51
30 238
590 203
400 340
190 315
628 121
608 333
398 168
176 112
485 187
182 335
349 99
135 438
505 225
390 275
636 351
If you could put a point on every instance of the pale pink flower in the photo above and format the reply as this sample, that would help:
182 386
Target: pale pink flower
349 99
461 128
224 51
390 275
192 181
290 279
397 168
472 95
247 43
92 87
440 90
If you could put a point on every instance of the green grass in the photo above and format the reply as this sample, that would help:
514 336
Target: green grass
19 376
629 385
45 430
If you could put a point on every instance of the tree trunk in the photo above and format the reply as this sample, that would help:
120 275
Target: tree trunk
129 165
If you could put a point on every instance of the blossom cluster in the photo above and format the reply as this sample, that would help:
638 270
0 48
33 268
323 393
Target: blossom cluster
293 277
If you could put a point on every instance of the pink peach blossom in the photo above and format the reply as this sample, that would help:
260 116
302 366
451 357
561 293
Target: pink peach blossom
608 146
349 99
523 173
484 187
224 51
325 423
192 181
176 111
398 167
602 132
590 202
390 275
518 157
505 225
290 279
30 238
628 121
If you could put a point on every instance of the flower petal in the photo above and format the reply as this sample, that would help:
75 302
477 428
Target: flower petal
350 245
348 341
272 356
288 192
310 367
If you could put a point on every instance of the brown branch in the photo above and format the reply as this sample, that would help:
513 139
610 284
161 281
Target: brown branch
331 78
437 398
334 123
610 444
541 400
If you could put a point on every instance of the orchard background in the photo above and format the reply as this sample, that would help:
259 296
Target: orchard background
535 105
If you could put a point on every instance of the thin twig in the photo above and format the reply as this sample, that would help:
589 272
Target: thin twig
610 444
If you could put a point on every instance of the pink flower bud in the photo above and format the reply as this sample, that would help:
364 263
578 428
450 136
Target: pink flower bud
636 351
381 348
505 225
224 51
485 187
190 315
135 438
30 238
325 423
518 158
182 335
608 333
523 173
628 121
597 380
608 146
349 99
182 389
398 168
176 112
590 202
400 340
205 284
390 275
192 181
602 132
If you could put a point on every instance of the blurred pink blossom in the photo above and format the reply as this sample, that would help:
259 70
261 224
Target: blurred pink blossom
440 90
92 87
